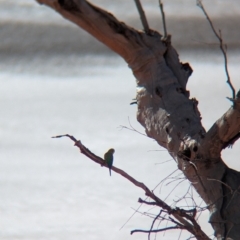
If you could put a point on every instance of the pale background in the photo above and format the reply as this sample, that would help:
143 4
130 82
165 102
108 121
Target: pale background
56 79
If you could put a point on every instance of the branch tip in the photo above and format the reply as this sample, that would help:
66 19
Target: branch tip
67 135
221 45
163 19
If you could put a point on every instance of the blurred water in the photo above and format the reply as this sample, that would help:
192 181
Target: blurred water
29 30
49 86
29 10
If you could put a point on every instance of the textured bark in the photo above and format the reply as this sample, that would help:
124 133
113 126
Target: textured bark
167 113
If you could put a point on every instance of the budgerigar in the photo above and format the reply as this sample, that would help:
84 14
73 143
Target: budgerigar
108 157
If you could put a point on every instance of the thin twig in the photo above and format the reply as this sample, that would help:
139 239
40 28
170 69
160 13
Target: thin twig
221 45
142 16
174 179
174 188
155 230
231 226
180 199
177 223
162 181
212 179
132 128
148 203
159 223
200 211
180 234
161 150
149 234
150 215
131 216
169 160
192 198
231 198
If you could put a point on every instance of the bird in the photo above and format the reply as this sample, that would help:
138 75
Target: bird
108 157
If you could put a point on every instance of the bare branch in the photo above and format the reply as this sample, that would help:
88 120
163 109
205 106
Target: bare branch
178 224
131 216
156 230
222 46
174 188
163 19
177 213
148 203
163 180
142 16
153 224
187 192
224 132
233 195
169 160
131 128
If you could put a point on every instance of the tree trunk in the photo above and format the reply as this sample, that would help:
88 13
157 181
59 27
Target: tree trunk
167 113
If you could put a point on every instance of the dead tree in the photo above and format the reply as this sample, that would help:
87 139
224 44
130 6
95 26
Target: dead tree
170 117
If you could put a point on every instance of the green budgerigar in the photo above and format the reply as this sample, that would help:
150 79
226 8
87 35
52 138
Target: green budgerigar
108 157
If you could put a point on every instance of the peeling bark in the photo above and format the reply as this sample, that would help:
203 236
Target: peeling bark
167 113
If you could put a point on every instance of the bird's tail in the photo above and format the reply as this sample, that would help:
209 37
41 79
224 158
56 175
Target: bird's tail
110 171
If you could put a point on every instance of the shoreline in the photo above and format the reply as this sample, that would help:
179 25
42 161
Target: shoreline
187 34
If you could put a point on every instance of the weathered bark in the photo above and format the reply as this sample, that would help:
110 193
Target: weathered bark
167 113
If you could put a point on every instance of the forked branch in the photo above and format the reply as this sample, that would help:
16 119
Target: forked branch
183 219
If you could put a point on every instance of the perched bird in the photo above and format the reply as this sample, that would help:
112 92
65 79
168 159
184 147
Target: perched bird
108 157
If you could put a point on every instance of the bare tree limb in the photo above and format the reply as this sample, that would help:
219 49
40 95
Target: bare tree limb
177 213
222 46
149 234
131 128
155 230
119 37
224 132
163 19
146 202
